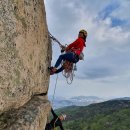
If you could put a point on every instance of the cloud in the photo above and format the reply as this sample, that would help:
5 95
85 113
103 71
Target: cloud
107 65
107 11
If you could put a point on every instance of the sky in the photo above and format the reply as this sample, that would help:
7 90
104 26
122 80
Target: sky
105 71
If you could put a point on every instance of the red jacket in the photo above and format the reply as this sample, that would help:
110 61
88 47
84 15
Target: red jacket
77 46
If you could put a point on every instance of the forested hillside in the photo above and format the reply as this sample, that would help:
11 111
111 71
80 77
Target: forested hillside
110 115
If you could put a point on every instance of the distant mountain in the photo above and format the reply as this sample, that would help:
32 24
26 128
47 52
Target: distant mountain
60 102
109 115
86 97
85 100
122 98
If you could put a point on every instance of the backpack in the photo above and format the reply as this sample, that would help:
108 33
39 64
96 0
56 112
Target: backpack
81 56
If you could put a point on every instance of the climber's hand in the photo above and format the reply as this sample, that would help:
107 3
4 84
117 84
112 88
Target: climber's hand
63 48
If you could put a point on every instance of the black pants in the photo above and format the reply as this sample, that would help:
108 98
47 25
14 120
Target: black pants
48 127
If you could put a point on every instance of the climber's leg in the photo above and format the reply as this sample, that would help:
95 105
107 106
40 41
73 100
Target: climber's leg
67 56
60 70
71 57
48 126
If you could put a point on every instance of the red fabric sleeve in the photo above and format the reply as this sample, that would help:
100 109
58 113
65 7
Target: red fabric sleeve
77 45
72 45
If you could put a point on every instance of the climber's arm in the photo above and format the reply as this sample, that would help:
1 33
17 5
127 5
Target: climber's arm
53 113
61 127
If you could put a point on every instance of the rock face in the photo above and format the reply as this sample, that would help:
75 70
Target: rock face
25 54
32 116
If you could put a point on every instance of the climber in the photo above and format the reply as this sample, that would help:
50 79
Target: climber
56 121
73 52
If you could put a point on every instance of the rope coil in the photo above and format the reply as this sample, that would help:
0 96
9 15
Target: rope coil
68 71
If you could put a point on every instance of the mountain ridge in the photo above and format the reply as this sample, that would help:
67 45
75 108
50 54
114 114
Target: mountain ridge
99 116
60 102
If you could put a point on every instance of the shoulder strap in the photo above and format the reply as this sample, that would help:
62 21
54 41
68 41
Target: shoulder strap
55 121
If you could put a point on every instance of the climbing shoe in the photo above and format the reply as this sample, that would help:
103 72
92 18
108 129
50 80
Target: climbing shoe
52 70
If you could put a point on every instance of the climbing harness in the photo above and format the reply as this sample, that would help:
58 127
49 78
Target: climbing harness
55 123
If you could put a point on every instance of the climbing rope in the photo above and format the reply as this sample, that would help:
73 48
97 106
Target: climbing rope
54 39
52 101
68 71
54 89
